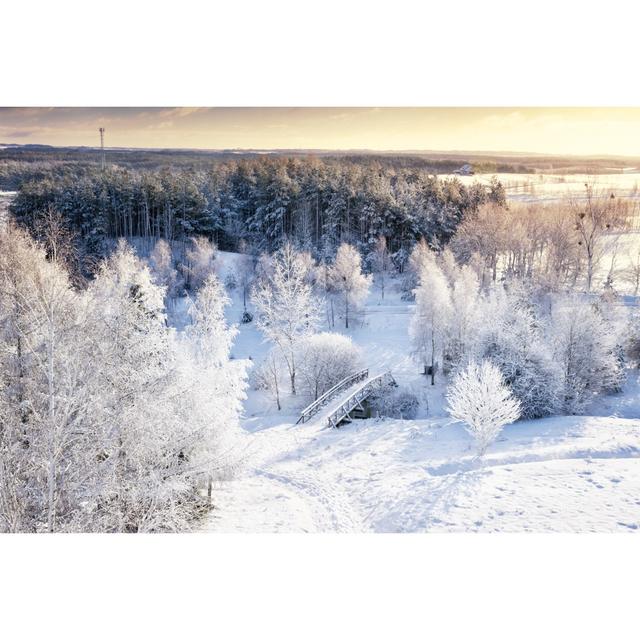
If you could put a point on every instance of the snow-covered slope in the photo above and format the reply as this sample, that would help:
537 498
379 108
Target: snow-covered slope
558 474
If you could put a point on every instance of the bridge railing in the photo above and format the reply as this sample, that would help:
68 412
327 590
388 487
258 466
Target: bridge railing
345 383
356 398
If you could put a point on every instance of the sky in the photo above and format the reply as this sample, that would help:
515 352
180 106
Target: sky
553 130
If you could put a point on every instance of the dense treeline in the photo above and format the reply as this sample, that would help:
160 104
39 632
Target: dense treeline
317 203
15 173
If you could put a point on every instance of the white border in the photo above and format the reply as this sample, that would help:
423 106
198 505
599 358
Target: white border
335 53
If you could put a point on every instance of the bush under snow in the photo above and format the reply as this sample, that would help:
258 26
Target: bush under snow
325 359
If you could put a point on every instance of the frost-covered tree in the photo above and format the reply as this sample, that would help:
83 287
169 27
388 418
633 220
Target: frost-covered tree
449 265
137 436
586 347
288 310
631 273
213 385
163 402
632 338
465 316
246 272
430 320
420 256
479 398
164 273
200 261
108 422
483 233
596 215
44 401
208 332
266 377
380 261
325 359
323 285
509 333
347 280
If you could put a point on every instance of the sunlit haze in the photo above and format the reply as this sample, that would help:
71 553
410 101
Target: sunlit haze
579 131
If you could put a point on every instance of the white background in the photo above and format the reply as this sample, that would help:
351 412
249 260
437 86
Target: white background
331 53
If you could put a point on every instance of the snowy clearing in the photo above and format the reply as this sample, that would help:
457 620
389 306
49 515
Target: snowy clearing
569 473
558 474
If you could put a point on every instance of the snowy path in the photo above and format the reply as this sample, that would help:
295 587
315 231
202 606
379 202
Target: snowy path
280 491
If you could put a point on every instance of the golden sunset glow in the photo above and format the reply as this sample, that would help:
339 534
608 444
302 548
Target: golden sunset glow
580 130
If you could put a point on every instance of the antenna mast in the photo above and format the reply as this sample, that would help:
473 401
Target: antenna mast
102 159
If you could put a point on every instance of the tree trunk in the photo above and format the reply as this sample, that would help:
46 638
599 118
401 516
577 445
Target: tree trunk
433 360
51 475
275 379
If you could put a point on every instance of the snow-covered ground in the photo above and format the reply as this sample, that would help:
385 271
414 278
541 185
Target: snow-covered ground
533 187
558 474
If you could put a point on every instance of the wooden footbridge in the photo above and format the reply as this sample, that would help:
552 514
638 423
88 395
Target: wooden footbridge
346 399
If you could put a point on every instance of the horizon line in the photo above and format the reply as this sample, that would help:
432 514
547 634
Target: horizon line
489 153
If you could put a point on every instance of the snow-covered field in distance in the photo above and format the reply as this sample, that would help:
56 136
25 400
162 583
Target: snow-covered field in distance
533 187
569 473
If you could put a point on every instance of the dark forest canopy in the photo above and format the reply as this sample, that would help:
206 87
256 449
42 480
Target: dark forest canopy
316 202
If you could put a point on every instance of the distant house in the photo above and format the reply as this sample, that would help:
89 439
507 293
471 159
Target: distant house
464 170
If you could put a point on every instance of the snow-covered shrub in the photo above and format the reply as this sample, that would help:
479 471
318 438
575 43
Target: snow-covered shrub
390 402
323 360
479 397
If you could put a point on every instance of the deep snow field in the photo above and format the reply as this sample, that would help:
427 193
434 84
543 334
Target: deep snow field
569 473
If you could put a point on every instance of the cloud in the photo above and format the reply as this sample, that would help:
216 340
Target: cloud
21 134
8 132
178 112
